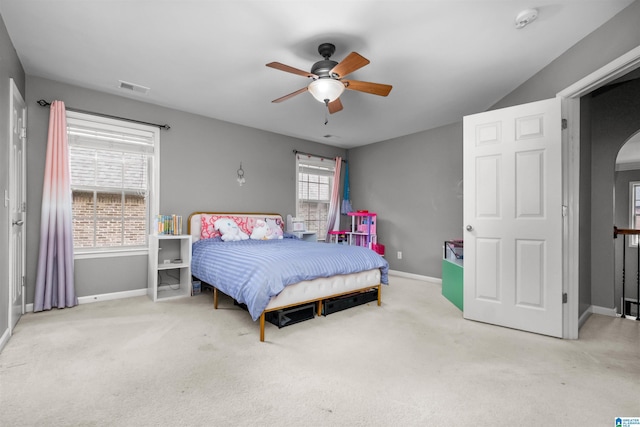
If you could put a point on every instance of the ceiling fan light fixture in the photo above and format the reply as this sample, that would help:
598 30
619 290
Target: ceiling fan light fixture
326 89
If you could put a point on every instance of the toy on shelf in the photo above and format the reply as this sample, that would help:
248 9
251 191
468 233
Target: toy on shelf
338 236
363 229
454 249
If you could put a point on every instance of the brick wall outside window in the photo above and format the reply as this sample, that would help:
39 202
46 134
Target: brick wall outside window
315 215
113 228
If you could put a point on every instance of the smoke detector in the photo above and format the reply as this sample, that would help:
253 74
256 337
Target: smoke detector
526 17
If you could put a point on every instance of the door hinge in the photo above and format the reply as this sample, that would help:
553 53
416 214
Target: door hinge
565 123
23 133
565 209
24 206
564 298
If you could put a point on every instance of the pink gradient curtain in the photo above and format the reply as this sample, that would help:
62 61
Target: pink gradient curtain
54 281
334 204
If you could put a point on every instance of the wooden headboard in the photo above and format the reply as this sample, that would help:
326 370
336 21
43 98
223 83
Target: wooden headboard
195 220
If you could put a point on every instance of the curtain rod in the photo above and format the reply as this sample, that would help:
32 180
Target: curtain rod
316 155
44 103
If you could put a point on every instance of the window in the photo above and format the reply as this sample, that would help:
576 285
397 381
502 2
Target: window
114 169
313 192
634 201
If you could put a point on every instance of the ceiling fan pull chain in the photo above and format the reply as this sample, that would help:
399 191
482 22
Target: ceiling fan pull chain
326 116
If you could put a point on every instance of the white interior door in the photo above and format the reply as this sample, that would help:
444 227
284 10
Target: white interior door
17 204
513 217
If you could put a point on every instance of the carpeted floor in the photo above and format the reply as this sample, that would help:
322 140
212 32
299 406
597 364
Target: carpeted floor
412 362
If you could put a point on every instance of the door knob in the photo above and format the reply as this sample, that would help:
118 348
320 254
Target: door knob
469 228
18 222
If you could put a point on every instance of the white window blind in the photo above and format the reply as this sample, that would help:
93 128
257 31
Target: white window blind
314 183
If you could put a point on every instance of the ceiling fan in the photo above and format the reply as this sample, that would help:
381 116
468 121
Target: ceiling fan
327 75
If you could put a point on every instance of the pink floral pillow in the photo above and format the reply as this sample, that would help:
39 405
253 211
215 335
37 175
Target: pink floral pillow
207 230
246 224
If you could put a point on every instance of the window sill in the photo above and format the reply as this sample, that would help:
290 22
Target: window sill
110 253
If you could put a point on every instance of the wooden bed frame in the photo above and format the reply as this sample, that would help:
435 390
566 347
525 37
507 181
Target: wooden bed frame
306 292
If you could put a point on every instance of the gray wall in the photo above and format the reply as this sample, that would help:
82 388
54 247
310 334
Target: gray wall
199 158
10 68
414 184
412 181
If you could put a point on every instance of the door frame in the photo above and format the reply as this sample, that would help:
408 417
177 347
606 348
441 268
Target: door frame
14 92
570 97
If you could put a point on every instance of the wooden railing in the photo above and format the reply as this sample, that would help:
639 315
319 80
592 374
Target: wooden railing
629 232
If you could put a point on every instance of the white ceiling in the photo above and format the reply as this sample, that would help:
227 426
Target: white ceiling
445 59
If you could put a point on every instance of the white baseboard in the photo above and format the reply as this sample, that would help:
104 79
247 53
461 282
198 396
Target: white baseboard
103 297
603 310
4 339
112 295
594 309
415 276
587 313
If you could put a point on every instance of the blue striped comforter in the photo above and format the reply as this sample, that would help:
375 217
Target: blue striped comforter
253 271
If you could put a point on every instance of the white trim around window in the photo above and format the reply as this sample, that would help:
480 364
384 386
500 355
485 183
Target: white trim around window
127 137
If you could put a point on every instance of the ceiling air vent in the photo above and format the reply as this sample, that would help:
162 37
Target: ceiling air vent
133 87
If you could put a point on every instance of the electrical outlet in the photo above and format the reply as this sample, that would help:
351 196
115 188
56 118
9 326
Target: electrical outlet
399 254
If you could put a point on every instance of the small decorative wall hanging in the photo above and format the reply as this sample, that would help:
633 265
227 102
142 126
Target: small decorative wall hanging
241 179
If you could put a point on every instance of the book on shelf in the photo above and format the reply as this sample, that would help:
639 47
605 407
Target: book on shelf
168 225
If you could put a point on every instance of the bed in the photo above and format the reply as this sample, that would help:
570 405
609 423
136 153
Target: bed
279 271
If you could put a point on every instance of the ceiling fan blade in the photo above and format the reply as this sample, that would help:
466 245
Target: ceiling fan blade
373 88
348 65
335 106
291 95
288 69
